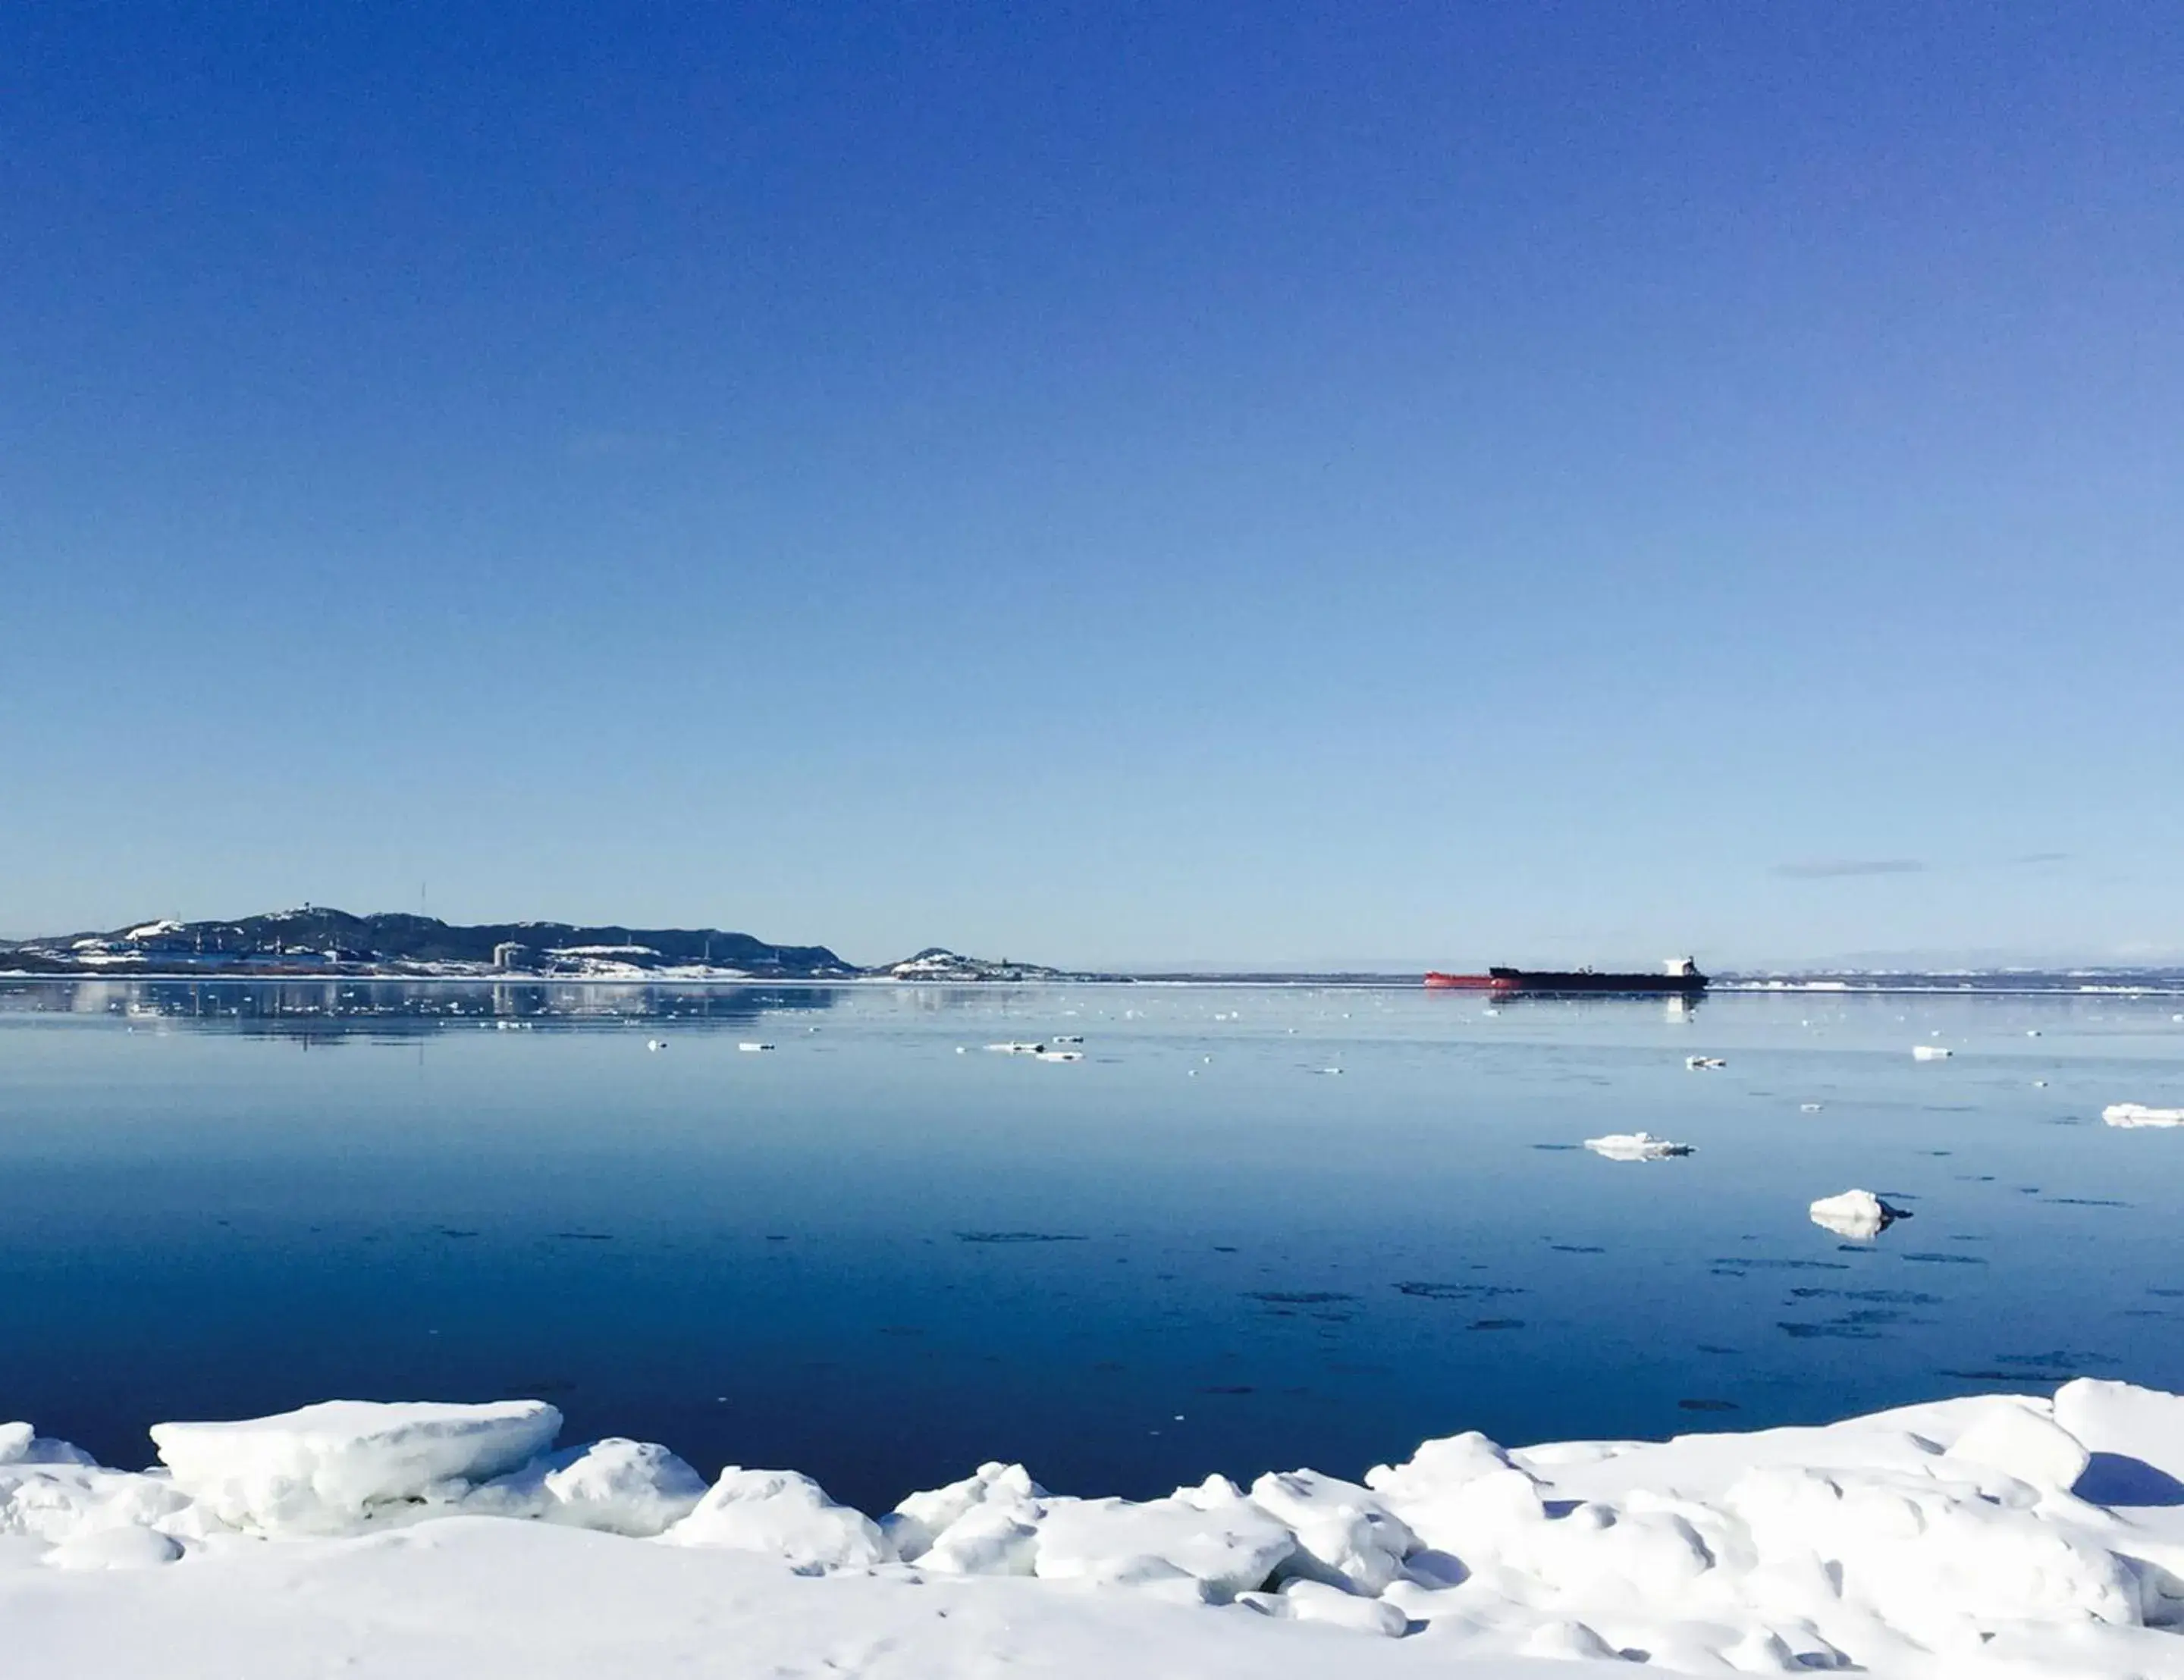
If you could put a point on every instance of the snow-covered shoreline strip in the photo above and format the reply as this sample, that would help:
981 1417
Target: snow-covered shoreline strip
1993 1535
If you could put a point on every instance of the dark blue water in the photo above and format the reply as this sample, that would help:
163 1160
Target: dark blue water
875 1258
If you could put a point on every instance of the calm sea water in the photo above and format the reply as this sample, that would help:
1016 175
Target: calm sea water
881 1253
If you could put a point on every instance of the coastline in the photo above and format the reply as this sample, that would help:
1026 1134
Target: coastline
1938 1539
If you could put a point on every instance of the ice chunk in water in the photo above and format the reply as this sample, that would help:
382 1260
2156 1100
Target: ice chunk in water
1636 1146
1855 1213
2138 1114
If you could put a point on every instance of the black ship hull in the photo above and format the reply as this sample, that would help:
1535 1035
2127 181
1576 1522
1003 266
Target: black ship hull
1686 982
1588 982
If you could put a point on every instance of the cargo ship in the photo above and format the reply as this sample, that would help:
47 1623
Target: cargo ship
1681 977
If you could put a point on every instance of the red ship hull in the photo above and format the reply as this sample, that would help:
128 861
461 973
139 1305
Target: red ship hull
1438 981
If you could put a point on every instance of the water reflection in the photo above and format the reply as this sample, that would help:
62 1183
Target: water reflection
333 1009
883 1255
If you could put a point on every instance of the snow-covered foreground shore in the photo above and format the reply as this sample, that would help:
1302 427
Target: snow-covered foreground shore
1989 1536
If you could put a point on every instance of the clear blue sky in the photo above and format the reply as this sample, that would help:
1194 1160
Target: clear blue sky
1102 482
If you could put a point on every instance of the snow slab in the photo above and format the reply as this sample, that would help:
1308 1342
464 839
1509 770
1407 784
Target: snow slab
1967 1539
2121 1424
322 1468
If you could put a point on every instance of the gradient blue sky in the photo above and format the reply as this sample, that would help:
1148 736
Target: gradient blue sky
1108 483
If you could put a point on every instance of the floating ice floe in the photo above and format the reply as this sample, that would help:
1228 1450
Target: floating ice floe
1017 1049
1990 1537
1059 1056
649 1044
1809 1108
1930 1052
1698 1062
1855 1213
752 1046
1636 1146
2138 1114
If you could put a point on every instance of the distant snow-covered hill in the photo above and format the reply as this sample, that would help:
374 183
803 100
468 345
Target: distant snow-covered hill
937 962
318 939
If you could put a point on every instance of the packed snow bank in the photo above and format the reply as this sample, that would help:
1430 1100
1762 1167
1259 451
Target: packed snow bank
634 1488
1855 1213
59 1498
783 1515
2138 1114
1210 1540
324 1468
996 1494
19 1443
1989 1537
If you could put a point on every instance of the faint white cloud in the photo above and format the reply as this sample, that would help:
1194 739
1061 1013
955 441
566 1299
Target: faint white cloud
1832 869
